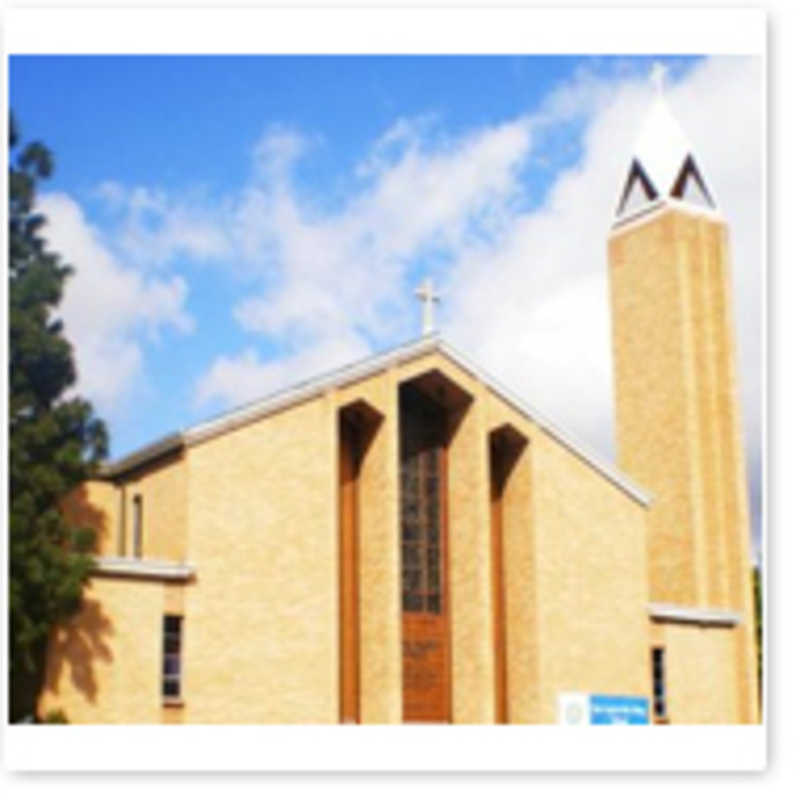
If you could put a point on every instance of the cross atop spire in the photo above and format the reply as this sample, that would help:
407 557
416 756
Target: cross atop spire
428 296
657 76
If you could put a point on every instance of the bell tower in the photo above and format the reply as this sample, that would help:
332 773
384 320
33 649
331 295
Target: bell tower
678 419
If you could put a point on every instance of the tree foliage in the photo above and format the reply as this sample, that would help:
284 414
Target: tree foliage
759 635
55 441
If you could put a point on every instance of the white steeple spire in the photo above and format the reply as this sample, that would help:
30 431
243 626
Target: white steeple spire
663 163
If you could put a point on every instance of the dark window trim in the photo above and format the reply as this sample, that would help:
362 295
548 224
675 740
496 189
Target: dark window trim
138 526
422 476
172 679
658 674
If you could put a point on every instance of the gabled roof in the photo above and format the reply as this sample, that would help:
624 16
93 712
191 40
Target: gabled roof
354 372
663 164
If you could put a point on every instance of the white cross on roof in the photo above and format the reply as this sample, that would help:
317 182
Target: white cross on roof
428 296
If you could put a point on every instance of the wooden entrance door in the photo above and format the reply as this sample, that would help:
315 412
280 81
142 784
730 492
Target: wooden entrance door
426 646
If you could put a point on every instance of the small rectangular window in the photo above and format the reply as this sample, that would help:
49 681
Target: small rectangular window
121 529
137 526
659 684
171 671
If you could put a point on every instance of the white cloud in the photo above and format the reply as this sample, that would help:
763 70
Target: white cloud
276 151
337 268
247 376
533 307
525 288
722 112
336 279
107 307
151 228
419 197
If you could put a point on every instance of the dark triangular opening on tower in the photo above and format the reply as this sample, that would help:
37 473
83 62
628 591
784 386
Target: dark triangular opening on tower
638 189
690 186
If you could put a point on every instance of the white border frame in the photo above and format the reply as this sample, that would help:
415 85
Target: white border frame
200 748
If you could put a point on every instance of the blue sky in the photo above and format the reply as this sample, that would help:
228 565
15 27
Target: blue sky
240 223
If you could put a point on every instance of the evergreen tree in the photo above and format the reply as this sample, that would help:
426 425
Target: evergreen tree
54 442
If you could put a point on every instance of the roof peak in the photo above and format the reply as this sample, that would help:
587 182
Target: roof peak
351 373
664 163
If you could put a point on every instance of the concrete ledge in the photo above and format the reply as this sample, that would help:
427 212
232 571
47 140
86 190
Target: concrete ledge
143 568
666 612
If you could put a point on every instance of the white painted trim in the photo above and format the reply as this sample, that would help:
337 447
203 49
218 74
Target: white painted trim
714 214
142 568
703 616
661 205
594 460
161 447
363 369
627 220
311 388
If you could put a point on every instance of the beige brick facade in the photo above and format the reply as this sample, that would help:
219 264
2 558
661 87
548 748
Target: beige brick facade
700 673
253 511
162 487
590 579
262 538
679 434
241 534
105 665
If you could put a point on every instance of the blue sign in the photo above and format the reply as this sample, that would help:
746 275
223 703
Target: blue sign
611 709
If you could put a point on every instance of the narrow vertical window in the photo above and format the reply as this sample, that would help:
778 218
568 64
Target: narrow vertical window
421 488
137 526
121 531
659 685
171 677
423 521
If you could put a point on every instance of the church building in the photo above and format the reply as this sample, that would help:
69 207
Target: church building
404 540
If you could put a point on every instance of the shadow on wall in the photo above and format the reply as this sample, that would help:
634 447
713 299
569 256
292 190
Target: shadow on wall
83 639
81 512
77 644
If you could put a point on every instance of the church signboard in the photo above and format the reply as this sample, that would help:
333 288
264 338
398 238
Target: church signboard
581 708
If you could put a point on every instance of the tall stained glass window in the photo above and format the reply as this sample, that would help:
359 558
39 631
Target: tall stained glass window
421 472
